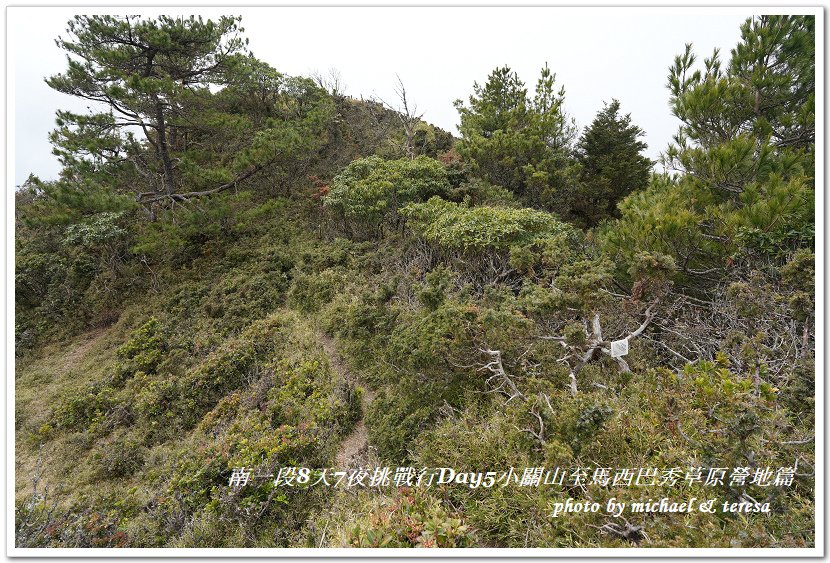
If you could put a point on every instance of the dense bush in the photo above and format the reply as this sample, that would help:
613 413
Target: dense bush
370 191
479 228
422 312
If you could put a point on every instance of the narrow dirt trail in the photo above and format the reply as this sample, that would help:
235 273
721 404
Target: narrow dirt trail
354 448
90 338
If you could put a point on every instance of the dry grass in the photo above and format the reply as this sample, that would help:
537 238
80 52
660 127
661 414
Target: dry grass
39 381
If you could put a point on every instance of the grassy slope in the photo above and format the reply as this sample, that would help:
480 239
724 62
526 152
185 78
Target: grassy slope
225 309
243 377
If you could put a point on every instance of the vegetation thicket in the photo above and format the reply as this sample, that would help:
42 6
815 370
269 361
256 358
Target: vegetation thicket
220 228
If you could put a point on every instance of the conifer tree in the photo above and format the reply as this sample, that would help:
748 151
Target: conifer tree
744 153
612 164
139 70
516 142
210 114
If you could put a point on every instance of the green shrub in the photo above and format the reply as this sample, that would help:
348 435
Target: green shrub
143 351
371 190
456 227
435 287
361 317
395 418
119 457
480 192
78 409
172 401
309 292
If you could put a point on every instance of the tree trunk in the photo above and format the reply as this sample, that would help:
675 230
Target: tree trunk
164 151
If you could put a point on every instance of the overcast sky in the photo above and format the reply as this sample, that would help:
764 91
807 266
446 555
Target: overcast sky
597 54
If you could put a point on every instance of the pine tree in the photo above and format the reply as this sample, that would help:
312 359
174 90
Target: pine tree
516 142
742 193
211 115
140 70
612 165
499 105
491 129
